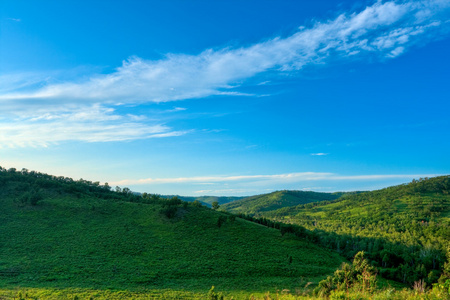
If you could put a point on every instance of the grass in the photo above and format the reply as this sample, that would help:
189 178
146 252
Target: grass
258 204
71 245
80 246
387 293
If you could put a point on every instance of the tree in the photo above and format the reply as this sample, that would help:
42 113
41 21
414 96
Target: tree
35 198
221 220
359 275
196 203
215 205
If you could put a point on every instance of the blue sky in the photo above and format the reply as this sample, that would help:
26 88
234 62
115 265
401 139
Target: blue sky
227 97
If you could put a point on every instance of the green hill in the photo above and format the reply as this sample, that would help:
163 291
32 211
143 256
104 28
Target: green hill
404 229
256 205
208 200
60 233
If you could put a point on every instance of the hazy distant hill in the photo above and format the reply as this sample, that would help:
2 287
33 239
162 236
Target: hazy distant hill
255 205
404 229
208 200
57 232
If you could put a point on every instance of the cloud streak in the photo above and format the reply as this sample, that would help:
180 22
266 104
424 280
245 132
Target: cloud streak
274 179
93 124
383 30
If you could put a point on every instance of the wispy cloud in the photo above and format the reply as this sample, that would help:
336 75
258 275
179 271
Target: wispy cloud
175 109
93 124
319 154
383 30
276 178
222 192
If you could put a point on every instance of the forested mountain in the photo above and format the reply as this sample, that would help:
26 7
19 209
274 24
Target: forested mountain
60 232
405 229
255 205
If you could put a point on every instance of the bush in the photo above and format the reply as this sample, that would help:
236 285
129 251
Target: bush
360 275
169 211
35 198
213 295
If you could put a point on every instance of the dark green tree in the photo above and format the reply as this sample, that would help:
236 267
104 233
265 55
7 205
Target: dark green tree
35 198
215 205
221 220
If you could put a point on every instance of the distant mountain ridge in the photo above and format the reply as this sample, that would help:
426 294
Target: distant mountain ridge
208 200
255 205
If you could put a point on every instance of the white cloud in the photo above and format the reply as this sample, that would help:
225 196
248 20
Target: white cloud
319 154
385 30
223 192
175 109
379 29
92 124
269 179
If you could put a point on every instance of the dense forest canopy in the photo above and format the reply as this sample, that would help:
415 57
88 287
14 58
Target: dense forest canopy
279 199
404 229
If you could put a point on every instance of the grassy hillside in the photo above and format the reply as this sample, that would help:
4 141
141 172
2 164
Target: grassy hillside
60 233
405 229
256 205
208 200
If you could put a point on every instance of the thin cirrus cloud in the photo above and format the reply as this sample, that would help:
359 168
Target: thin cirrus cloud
269 179
384 30
94 124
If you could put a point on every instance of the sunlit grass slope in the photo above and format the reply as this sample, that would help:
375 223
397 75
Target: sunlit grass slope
404 229
75 236
208 200
257 205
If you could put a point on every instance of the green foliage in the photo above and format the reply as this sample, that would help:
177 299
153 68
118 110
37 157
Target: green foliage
436 293
170 207
256 205
31 197
215 205
196 203
359 276
169 211
83 235
213 295
221 220
208 200
35 198
404 229
445 276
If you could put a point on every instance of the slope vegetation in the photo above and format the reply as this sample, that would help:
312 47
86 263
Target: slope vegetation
208 200
404 229
57 232
256 205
